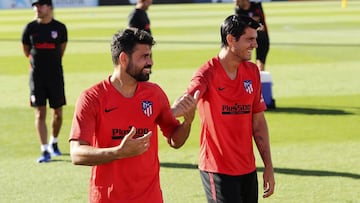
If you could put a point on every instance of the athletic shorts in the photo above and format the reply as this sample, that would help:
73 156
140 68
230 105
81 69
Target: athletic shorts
220 188
263 46
42 89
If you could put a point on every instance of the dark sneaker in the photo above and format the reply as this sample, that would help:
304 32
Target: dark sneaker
54 149
45 157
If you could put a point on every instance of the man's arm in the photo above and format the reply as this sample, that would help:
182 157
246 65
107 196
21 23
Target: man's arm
261 137
187 104
26 49
63 47
179 137
84 154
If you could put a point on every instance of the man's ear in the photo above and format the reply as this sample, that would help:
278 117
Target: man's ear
123 59
230 39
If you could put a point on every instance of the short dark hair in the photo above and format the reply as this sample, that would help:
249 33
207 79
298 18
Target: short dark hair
235 25
125 41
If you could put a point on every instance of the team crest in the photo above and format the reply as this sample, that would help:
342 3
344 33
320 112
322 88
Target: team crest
248 86
147 108
54 34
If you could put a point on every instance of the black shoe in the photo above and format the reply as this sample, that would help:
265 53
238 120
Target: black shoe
54 149
45 157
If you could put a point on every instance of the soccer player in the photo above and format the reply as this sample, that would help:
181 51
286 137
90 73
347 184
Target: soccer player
138 18
255 11
44 41
114 128
231 110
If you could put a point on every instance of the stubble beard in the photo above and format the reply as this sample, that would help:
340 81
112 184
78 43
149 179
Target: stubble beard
140 76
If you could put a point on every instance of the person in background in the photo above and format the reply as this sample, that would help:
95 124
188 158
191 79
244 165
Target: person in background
255 11
115 122
231 111
44 41
138 18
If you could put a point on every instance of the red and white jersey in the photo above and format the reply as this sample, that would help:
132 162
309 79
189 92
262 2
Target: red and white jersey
226 107
102 118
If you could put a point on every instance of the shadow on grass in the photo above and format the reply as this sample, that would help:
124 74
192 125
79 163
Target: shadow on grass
304 172
287 171
59 160
308 111
63 158
178 165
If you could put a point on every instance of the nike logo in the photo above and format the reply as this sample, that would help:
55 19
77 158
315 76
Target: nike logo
221 88
111 109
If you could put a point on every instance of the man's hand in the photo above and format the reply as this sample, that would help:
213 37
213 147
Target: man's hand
130 147
261 28
185 106
269 182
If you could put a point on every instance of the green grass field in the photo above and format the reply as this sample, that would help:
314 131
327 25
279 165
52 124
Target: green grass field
314 60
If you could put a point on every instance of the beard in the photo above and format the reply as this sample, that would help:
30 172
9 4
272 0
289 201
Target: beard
140 76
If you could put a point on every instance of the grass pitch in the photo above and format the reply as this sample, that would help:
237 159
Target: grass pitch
314 60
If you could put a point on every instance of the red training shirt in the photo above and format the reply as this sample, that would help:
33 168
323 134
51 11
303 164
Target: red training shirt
102 118
226 107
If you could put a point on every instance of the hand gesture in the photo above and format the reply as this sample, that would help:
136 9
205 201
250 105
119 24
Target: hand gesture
186 105
130 146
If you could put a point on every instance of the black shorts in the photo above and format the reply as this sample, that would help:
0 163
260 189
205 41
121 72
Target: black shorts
220 188
263 46
43 88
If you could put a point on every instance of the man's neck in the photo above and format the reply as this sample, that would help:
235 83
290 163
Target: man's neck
44 20
125 86
140 6
244 6
229 65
